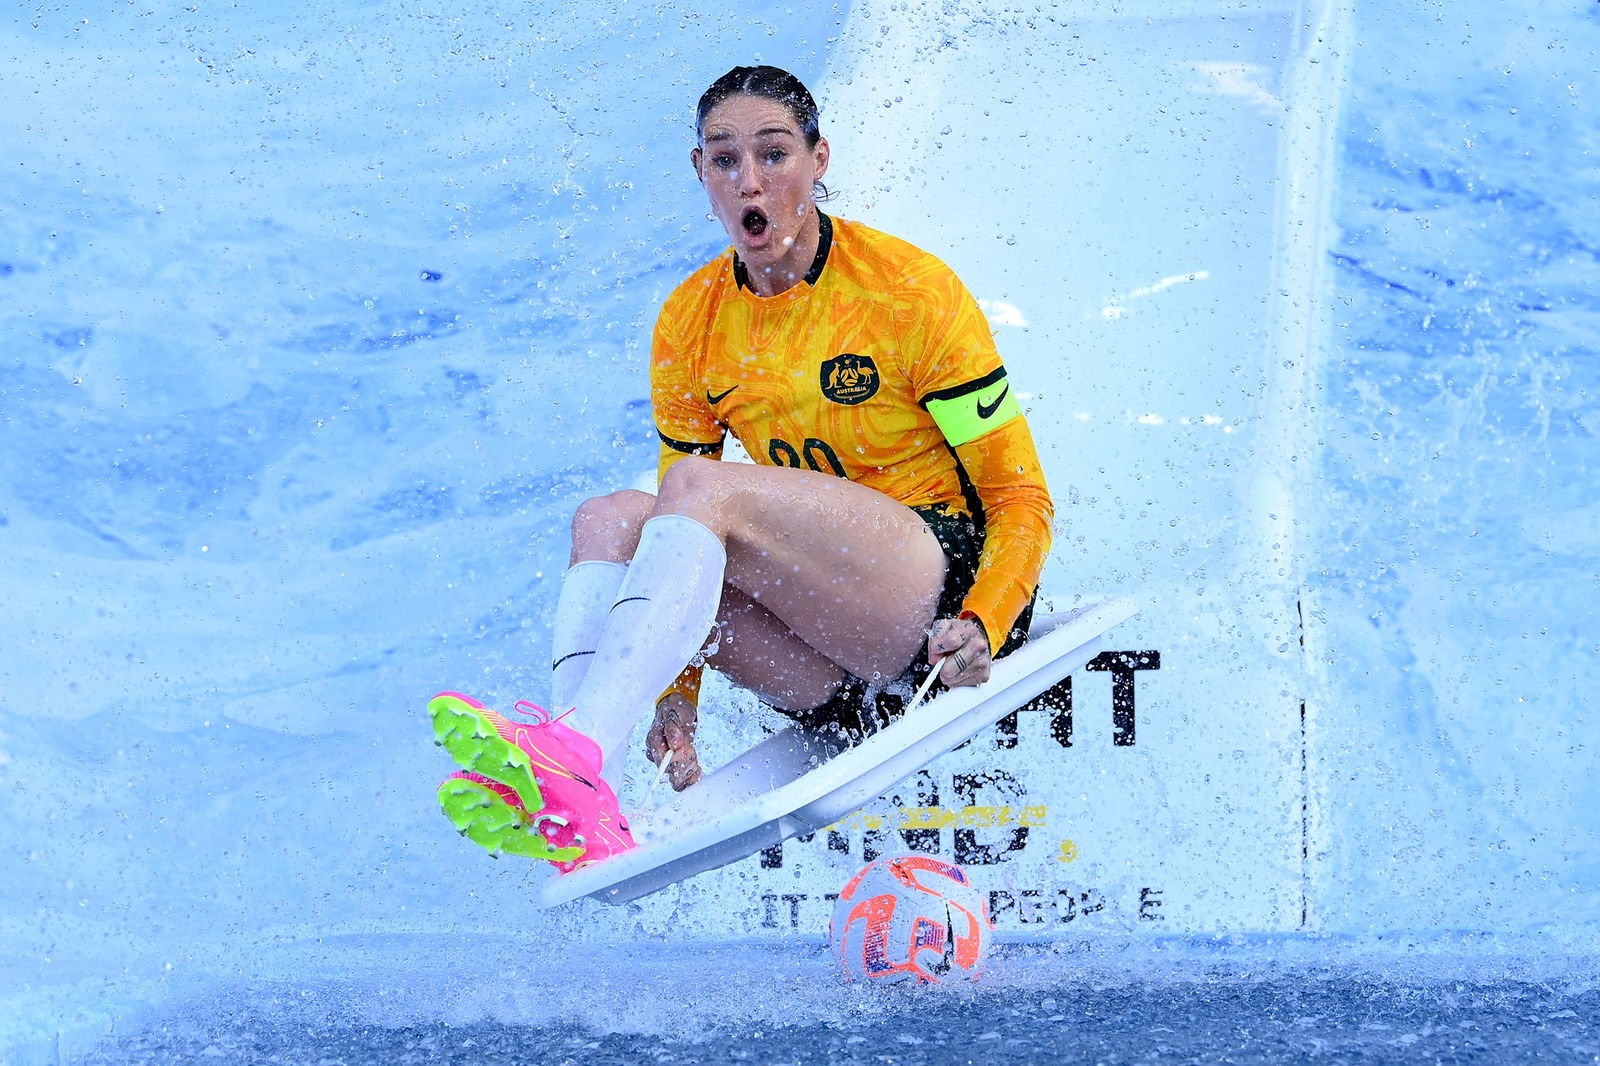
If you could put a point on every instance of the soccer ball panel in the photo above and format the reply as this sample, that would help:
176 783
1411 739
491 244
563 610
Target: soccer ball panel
910 918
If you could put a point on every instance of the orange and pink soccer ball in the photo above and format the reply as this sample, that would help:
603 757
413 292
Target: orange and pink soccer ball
913 918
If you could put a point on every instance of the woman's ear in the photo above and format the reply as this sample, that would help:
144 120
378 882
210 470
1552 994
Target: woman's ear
694 160
820 154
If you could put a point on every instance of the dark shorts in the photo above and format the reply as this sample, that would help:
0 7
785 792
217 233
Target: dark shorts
860 707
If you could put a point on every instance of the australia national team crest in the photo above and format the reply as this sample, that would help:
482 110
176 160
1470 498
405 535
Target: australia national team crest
849 379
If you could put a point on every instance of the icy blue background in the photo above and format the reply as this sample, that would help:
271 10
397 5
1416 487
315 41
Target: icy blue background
1456 558
310 339
308 356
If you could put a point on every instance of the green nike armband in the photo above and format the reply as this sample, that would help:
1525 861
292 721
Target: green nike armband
967 412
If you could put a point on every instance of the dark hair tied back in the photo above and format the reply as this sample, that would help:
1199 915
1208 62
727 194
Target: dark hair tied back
772 83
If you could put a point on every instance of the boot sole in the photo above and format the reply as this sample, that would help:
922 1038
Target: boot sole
475 744
484 817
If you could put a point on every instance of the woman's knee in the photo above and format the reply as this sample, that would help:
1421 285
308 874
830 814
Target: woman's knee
693 487
727 497
607 527
691 480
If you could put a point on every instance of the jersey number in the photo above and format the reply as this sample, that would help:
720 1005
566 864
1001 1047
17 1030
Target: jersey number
818 455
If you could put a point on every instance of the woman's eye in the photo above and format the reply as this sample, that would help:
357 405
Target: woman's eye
722 162
776 155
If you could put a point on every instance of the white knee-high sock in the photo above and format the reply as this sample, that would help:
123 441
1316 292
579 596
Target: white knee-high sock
663 614
588 589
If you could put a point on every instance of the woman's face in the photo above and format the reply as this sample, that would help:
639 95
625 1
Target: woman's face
755 166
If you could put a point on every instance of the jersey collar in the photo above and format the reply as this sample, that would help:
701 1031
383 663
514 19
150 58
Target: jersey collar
741 276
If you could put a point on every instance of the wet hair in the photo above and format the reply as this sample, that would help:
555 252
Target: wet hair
771 83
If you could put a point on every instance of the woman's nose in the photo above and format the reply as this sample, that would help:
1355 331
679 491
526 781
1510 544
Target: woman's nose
748 180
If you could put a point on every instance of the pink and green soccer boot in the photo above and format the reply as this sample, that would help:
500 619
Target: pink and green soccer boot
529 787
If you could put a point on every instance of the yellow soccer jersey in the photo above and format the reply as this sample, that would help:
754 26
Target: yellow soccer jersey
879 368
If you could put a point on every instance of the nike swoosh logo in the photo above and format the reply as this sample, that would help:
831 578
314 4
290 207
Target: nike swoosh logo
714 400
987 409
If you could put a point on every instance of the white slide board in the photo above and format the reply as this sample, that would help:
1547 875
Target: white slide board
798 780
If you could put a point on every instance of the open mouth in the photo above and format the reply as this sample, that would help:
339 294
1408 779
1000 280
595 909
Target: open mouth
754 221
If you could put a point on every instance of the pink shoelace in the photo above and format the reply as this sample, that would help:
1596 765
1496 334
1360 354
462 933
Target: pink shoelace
529 709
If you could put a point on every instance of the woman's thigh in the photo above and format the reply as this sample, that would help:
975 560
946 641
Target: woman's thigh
756 651
852 573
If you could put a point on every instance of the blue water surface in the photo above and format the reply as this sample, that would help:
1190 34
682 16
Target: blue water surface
1240 1001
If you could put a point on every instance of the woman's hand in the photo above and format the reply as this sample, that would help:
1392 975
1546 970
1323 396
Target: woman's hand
960 648
673 730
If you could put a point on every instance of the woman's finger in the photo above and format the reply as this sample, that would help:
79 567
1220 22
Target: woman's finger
968 663
684 771
953 667
948 635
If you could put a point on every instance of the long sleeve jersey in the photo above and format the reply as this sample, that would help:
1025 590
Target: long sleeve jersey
878 367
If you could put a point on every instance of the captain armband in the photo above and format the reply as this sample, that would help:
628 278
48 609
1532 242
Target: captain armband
968 411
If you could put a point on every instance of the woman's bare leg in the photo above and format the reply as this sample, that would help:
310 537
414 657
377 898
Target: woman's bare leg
758 653
606 528
849 571
829 577
754 649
